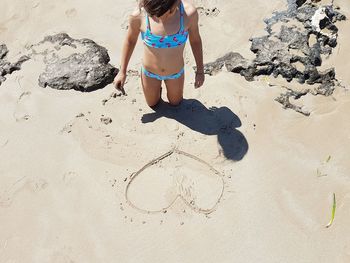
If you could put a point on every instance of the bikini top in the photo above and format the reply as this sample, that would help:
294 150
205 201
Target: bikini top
169 41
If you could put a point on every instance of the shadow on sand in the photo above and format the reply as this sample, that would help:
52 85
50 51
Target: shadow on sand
213 121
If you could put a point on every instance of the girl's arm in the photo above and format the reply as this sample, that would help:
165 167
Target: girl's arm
130 40
128 48
196 46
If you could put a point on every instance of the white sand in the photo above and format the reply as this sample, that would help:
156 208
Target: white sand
63 178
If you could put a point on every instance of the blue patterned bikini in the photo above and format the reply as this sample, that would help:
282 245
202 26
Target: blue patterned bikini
169 41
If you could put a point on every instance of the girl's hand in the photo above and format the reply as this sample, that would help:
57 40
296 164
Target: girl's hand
199 80
119 81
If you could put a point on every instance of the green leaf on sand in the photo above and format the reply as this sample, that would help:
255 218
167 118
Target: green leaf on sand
333 212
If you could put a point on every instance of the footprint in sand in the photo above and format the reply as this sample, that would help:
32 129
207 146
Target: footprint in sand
326 167
35 5
68 177
34 185
2 29
63 255
176 180
22 105
71 12
4 143
37 185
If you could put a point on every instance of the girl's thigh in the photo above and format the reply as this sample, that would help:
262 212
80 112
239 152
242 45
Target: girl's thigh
151 89
175 88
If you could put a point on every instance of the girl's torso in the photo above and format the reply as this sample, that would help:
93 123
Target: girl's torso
159 58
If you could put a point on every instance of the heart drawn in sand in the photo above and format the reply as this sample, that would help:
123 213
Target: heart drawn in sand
172 177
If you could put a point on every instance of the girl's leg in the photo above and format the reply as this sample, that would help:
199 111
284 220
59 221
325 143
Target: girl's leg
175 89
151 89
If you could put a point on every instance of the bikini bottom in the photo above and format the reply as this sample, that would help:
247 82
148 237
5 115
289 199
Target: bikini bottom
156 76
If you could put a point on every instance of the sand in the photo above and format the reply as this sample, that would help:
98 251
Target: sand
64 173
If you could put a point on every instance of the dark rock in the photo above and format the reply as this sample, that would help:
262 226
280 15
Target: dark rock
286 70
3 51
264 69
305 13
284 100
326 89
213 67
61 39
300 2
248 73
232 60
106 120
80 71
315 55
294 38
320 77
269 51
235 62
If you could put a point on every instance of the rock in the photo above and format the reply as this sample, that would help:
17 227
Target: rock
284 100
234 62
80 115
315 55
305 13
294 38
3 51
106 120
214 67
320 19
86 71
320 77
300 2
326 89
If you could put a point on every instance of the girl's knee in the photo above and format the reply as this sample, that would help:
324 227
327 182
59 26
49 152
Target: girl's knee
152 97
152 104
175 102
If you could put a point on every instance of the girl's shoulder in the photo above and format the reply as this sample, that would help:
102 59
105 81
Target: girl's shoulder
189 8
136 17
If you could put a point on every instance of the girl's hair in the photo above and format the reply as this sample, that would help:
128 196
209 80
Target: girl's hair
157 7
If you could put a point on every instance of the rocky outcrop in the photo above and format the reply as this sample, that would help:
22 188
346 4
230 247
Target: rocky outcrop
278 53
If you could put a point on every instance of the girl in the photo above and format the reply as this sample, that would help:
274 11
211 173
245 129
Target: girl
165 26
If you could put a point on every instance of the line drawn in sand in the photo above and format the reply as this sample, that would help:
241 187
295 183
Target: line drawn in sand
183 192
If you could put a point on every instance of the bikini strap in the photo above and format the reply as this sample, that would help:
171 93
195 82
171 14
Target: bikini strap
181 16
147 23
